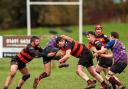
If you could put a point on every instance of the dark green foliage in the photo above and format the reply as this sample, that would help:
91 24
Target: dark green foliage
13 13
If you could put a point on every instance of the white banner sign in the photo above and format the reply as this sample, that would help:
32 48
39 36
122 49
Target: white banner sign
1 46
11 45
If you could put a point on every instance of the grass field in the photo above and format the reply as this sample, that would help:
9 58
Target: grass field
64 78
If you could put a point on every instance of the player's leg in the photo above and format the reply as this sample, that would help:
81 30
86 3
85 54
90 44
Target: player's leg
116 68
26 76
80 73
91 69
106 63
98 77
12 73
112 79
105 70
46 73
98 69
84 62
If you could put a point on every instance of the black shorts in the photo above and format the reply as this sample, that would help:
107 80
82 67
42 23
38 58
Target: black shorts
86 59
118 68
47 59
105 62
17 61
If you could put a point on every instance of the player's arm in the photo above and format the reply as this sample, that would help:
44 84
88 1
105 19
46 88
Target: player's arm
103 50
98 45
67 38
40 49
108 46
106 55
94 50
106 38
50 51
89 46
66 56
33 51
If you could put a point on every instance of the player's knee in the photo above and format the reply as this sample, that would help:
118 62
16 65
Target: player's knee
78 71
110 74
25 77
107 76
93 73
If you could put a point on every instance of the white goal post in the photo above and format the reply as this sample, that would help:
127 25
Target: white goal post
79 3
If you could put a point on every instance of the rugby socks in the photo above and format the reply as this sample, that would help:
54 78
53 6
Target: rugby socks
43 75
5 87
18 87
114 86
113 81
104 84
89 82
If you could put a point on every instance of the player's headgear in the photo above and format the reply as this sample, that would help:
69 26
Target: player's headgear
33 38
98 26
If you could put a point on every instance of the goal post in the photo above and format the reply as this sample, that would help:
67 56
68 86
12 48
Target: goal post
79 3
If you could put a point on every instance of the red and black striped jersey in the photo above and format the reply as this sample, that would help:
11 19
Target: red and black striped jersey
28 53
76 48
97 44
102 38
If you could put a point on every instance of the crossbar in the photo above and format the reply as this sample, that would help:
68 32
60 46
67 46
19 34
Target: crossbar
53 3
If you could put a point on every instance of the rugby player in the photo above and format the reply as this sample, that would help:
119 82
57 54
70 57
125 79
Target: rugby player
55 55
103 63
20 60
85 56
120 59
99 35
53 44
